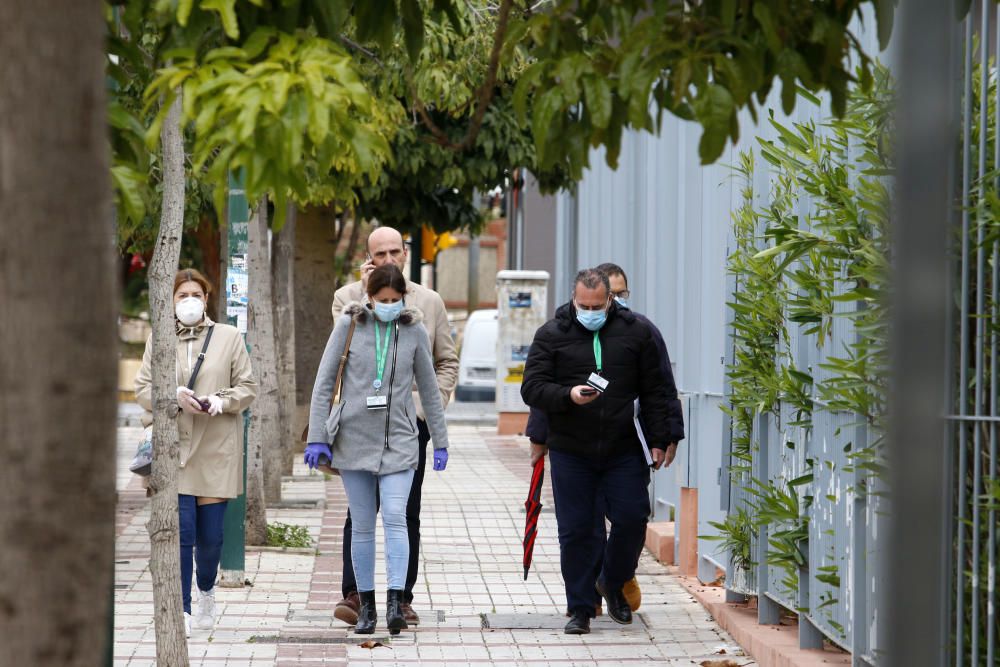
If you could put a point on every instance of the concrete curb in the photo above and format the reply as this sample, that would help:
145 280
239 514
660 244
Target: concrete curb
770 645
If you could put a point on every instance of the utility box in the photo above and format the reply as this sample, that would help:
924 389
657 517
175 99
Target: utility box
522 304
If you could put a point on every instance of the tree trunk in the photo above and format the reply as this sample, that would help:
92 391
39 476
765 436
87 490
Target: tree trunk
220 315
263 452
57 336
283 279
207 235
164 532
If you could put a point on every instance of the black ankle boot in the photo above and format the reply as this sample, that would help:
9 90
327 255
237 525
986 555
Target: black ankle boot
393 614
366 615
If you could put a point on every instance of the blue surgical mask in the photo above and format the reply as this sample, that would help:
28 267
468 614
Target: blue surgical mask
388 312
592 320
622 302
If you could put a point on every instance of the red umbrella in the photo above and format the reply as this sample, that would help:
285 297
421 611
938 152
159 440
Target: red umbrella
533 507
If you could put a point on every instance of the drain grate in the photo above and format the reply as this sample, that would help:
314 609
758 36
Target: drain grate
543 621
314 639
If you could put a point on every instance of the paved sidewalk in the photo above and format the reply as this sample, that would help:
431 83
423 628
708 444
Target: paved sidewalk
475 606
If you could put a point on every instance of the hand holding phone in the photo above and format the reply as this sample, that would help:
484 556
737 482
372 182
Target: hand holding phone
366 269
583 394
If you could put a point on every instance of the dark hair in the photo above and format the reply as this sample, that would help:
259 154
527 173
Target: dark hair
387 275
193 275
610 269
591 278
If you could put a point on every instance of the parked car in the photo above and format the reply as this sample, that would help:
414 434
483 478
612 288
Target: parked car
477 361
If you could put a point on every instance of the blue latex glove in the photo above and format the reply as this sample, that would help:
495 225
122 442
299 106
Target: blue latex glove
440 459
314 450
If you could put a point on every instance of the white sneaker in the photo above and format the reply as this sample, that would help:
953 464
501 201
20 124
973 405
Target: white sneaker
206 609
187 624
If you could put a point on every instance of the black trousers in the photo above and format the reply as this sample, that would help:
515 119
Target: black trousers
349 583
578 486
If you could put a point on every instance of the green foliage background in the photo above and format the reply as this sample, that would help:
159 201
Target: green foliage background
792 271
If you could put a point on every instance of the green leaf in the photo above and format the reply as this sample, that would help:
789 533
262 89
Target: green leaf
448 7
597 92
226 9
375 19
184 11
129 186
713 109
413 27
525 86
885 11
799 481
762 13
728 13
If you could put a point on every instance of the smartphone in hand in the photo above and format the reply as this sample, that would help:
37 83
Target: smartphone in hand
588 392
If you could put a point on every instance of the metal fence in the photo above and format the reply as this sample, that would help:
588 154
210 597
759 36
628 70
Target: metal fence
974 322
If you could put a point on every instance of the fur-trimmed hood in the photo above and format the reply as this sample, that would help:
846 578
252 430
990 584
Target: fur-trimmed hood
360 312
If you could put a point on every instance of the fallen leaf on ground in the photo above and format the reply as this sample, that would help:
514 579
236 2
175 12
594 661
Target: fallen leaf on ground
719 663
371 643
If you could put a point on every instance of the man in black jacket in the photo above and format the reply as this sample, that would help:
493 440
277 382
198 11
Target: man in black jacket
585 369
537 428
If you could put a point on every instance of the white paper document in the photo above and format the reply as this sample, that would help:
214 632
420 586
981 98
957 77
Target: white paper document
642 436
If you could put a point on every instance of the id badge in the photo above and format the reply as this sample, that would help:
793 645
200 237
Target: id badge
378 402
597 382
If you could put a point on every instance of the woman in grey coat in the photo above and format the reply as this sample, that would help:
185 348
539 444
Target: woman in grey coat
371 435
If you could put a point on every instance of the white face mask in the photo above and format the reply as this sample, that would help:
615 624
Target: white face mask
190 310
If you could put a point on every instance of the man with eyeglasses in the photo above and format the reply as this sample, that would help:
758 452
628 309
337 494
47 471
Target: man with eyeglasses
585 369
538 424
385 246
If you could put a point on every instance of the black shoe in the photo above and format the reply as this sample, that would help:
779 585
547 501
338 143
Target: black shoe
393 612
579 624
618 608
366 615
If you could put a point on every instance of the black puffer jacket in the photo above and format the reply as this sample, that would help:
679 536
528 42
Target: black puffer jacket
562 356
537 428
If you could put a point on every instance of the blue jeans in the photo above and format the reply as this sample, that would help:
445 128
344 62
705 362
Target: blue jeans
348 584
364 491
578 486
200 525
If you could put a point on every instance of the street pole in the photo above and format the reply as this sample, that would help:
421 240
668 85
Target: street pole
916 601
416 259
233 563
473 297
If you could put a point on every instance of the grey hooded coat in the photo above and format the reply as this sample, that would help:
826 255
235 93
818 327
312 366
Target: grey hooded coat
378 441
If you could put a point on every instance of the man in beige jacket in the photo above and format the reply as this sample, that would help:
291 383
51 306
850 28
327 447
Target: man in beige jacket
385 246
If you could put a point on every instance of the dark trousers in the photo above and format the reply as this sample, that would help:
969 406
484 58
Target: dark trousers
349 583
201 527
578 486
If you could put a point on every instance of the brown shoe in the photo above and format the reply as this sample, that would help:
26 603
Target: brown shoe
408 613
347 609
632 593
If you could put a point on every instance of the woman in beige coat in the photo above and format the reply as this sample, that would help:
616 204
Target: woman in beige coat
210 430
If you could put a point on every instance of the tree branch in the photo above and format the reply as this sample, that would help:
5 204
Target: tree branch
357 47
484 96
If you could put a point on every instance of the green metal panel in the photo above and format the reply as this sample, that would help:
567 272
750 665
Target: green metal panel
234 527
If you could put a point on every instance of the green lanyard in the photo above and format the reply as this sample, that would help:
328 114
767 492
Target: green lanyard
381 353
597 352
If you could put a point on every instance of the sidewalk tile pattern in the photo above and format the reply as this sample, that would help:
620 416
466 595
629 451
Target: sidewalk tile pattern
472 522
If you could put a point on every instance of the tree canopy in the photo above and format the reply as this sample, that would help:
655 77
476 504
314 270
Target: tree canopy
401 108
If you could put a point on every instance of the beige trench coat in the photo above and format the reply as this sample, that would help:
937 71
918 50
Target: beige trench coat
211 447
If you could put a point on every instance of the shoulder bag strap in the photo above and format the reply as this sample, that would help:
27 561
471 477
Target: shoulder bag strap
339 384
201 358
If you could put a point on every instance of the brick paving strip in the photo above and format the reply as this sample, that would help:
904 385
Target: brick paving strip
471 574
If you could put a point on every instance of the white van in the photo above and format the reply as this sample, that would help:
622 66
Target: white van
477 361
